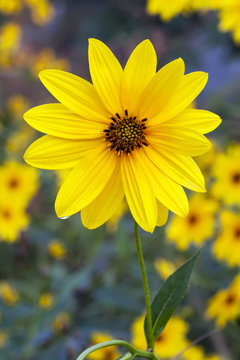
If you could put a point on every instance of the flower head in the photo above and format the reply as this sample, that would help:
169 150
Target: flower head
225 304
227 183
109 353
227 245
197 226
171 341
129 134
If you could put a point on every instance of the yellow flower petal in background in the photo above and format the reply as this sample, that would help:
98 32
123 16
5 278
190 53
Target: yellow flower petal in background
50 152
57 120
106 74
75 93
139 70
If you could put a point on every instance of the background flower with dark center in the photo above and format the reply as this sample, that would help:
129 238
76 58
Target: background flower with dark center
197 227
227 245
129 134
227 182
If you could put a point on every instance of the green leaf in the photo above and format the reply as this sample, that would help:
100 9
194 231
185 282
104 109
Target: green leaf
170 295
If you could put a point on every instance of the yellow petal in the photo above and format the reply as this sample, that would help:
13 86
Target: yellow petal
106 74
53 153
138 191
180 168
199 120
85 182
189 88
167 191
161 88
105 204
162 214
178 139
57 120
139 70
75 93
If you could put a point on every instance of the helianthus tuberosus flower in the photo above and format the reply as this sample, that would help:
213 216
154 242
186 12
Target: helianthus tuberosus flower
225 304
197 226
13 220
18 182
110 353
227 245
171 341
129 134
8 294
227 183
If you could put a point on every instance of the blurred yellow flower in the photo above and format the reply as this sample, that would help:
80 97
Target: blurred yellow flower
8 294
127 134
56 249
46 301
227 181
171 341
3 338
197 226
17 104
167 9
18 182
47 59
229 16
164 268
227 245
13 220
61 322
225 304
110 353
9 7
10 39
18 140
42 12
197 353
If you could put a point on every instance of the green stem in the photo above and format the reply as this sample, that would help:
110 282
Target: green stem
146 288
133 351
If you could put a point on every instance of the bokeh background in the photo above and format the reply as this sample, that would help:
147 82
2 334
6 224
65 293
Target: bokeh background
63 287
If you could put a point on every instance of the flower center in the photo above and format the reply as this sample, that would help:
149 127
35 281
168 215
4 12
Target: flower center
236 178
237 233
13 183
192 219
126 133
6 214
230 299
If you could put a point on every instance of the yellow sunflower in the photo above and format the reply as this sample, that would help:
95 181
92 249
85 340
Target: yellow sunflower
227 183
13 220
110 353
197 226
18 182
225 304
171 341
129 134
227 245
